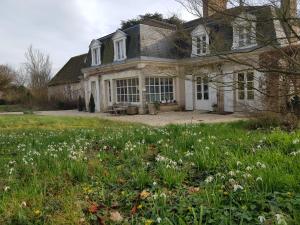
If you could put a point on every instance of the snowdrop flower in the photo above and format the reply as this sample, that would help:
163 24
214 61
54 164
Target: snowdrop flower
259 179
296 141
23 204
237 187
158 220
280 219
6 188
248 168
238 163
261 219
163 195
231 173
247 175
154 183
209 179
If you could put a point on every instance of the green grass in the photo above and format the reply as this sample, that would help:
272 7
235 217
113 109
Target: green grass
56 170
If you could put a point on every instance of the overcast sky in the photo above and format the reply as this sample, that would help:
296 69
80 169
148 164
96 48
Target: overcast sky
64 28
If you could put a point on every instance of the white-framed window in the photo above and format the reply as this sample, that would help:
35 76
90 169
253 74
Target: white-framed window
245 83
120 50
128 90
95 47
201 44
119 40
202 85
159 89
200 41
244 32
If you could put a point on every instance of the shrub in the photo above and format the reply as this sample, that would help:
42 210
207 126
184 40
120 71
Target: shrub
66 104
268 120
80 104
265 120
92 104
2 102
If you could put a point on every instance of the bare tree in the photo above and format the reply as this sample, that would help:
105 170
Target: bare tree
278 58
7 77
38 70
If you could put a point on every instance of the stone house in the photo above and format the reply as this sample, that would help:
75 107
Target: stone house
67 84
143 64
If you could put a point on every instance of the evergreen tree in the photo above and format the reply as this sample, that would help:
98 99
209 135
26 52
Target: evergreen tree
92 104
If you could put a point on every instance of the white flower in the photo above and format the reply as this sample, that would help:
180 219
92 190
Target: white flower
209 179
280 219
154 183
6 188
261 219
259 179
238 163
237 187
248 168
158 220
296 141
23 204
231 173
163 195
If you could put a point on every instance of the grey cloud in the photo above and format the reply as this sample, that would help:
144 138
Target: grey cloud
64 28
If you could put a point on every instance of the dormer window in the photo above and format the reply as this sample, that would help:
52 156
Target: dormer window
119 40
200 41
244 32
95 47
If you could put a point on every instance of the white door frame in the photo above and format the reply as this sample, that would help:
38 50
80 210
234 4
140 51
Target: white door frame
207 90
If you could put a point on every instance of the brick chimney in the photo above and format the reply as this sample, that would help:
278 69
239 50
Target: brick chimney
289 8
210 7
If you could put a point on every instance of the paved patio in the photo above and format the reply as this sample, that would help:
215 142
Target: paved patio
160 119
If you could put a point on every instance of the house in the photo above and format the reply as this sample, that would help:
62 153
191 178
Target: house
67 83
143 64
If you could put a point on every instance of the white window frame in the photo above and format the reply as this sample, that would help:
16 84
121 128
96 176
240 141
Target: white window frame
119 40
128 89
244 27
160 96
244 84
95 47
200 47
202 88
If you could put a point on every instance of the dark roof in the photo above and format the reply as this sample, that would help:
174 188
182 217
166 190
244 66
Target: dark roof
220 25
71 71
107 47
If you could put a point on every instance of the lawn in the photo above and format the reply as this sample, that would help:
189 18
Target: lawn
56 170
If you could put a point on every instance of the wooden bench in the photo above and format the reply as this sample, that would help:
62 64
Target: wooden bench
117 110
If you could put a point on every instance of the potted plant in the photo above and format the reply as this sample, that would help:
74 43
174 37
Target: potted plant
132 110
80 104
92 104
153 108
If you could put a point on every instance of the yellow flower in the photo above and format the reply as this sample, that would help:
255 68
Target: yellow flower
37 212
149 222
140 206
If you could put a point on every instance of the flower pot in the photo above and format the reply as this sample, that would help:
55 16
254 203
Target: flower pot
132 110
152 109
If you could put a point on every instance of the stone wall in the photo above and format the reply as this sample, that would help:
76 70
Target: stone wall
69 92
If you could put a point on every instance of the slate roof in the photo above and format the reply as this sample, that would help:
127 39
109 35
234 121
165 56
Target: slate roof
220 25
221 39
71 71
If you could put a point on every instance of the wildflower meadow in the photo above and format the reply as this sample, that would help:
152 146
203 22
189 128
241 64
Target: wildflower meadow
56 170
